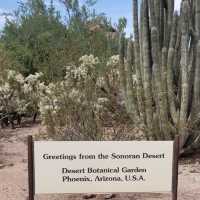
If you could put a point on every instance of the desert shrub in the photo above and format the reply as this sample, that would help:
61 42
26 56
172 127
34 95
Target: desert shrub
32 88
78 107
72 103
11 92
20 94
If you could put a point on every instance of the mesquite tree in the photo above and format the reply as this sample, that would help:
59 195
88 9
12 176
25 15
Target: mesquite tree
165 58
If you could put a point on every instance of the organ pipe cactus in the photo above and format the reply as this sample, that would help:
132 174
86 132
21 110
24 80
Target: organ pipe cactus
166 98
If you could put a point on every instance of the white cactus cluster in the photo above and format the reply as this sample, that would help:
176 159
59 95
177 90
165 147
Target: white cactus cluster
113 61
77 90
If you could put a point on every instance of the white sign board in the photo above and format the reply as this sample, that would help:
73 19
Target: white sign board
101 167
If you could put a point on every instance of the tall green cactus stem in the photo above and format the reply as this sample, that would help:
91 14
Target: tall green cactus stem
121 64
197 18
131 102
160 96
184 66
152 13
167 62
169 15
196 102
164 76
147 68
138 64
183 120
171 53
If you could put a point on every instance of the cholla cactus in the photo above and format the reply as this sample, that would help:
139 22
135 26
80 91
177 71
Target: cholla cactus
87 68
19 78
19 94
33 78
11 92
89 61
113 61
32 88
72 103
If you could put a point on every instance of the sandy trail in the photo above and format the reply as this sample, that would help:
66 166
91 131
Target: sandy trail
13 172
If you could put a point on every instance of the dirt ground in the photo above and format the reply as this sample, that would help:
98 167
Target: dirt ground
13 172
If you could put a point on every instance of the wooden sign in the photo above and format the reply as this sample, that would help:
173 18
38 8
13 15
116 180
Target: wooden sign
102 167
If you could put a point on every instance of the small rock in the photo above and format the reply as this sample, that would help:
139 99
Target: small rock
109 196
2 166
89 196
24 160
6 165
194 171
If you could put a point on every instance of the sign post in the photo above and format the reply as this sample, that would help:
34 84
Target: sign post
31 168
175 168
102 167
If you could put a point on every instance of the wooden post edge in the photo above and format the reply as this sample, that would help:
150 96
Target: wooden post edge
176 149
31 188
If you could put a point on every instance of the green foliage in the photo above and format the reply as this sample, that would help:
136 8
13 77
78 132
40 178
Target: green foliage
42 45
122 23
41 41
5 61
34 39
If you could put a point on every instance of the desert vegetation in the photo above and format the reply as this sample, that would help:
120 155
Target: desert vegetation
86 80
68 72
166 65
